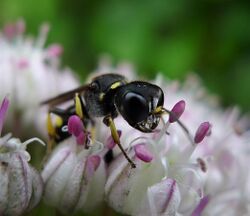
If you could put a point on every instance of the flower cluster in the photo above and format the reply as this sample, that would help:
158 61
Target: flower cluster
29 74
178 172
195 163
21 186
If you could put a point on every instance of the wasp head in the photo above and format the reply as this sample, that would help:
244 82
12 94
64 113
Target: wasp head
137 102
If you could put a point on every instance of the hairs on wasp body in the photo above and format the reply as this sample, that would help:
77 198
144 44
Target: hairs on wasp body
139 103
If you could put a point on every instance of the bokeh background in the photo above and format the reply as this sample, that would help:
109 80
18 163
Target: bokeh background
175 37
210 37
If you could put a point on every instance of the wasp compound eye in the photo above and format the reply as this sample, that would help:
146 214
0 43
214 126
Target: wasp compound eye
134 107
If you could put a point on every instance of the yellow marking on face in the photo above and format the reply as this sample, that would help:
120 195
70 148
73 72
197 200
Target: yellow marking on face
158 110
50 127
78 106
115 85
59 121
101 96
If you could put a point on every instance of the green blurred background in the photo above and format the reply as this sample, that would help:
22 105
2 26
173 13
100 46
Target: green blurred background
211 38
175 37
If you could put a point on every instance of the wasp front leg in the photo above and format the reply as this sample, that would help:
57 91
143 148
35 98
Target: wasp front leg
110 123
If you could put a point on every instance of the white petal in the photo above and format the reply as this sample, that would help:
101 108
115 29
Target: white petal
4 181
37 188
162 198
55 184
76 185
96 188
20 185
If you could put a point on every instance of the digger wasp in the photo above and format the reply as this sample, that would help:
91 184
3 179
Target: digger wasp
140 103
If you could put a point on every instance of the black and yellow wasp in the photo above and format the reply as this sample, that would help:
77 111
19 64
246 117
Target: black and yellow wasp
139 103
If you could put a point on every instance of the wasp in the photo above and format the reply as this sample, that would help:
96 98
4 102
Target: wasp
140 103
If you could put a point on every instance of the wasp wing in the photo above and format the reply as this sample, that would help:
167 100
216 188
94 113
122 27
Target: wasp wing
61 98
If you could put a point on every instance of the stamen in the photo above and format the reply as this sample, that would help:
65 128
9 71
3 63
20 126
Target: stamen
55 50
33 140
190 138
202 131
143 153
43 35
202 164
9 31
20 27
177 111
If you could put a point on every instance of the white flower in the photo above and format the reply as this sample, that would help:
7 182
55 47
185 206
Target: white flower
158 157
21 186
29 74
226 152
212 177
74 175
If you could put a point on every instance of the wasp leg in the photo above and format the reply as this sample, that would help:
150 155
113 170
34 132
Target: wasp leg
81 111
110 123
51 133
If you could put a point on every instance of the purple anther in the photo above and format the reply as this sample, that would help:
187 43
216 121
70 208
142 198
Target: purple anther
143 153
202 131
75 125
177 111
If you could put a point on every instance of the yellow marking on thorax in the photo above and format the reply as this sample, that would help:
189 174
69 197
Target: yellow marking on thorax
115 85
101 96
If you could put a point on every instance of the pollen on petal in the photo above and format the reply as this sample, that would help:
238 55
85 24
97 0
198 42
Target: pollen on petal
177 111
3 110
143 153
75 125
202 131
